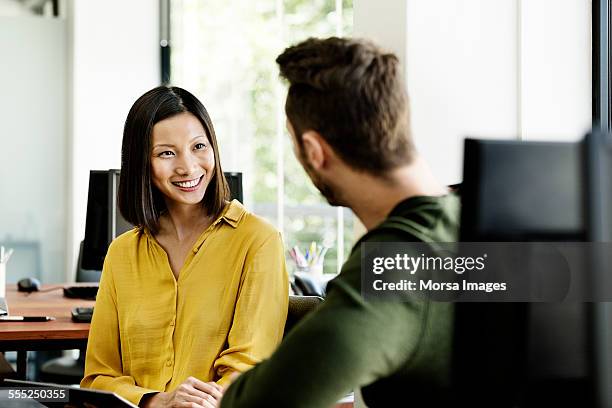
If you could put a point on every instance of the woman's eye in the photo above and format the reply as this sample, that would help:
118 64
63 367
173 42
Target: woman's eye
166 153
200 146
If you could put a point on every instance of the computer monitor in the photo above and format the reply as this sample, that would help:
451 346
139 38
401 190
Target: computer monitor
104 221
522 191
598 160
234 180
524 354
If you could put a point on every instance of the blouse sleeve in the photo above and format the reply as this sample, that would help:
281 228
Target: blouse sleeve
103 367
260 312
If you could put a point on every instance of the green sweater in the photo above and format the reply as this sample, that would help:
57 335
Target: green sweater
395 351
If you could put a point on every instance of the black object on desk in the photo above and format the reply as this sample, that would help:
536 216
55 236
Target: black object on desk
26 318
28 285
82 314
81 292
304 284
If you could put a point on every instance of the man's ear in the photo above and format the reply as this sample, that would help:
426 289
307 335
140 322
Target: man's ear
314 149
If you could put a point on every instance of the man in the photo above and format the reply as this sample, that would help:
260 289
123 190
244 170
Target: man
347 112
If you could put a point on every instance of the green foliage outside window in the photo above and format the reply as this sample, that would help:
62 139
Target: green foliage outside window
224 51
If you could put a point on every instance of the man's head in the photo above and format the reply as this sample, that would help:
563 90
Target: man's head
349 94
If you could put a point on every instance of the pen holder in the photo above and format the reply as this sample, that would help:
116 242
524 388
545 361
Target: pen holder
4 258
2 279
315 270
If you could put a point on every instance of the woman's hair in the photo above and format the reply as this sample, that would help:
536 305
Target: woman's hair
139 201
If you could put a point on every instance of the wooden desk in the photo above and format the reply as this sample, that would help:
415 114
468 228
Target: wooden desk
60 334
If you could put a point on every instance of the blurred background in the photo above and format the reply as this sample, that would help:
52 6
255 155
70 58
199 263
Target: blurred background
71 69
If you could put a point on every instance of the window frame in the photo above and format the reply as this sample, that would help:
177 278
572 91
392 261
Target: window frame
165 43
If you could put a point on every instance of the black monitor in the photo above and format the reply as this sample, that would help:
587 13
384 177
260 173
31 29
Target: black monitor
104 221
234 180
598 160
524 354
522 191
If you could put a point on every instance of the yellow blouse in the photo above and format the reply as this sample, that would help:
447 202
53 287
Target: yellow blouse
225 313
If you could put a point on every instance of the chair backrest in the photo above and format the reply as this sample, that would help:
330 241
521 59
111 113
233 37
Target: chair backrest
489 353
300 306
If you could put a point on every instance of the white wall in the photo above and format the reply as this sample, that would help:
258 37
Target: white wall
488 69
33 142
114 58
12 8
556 69
68 85
383 22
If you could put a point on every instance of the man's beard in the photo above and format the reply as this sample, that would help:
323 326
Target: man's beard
324 188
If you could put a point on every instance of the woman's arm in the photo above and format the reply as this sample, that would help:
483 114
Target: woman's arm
103 367
260 312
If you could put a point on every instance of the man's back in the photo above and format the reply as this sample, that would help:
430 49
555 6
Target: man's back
394 350
419 370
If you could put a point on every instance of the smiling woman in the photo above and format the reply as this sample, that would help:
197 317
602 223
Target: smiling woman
161 128
182 160
198 290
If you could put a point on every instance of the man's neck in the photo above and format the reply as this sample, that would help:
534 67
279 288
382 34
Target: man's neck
373 198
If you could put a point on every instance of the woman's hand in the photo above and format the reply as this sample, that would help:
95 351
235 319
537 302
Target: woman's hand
192 393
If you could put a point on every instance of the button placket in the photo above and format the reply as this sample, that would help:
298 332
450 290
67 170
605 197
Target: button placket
170 360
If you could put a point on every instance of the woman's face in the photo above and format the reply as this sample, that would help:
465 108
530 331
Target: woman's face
182 159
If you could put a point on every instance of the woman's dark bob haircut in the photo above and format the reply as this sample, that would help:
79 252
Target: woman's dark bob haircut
139 201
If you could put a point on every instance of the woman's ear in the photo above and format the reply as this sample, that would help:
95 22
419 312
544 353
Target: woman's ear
314 149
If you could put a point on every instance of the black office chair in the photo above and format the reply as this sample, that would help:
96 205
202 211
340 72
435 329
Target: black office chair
300 306
489 354
67 369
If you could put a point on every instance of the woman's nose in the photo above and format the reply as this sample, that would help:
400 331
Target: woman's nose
187 164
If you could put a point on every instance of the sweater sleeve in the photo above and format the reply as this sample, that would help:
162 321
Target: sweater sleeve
345 343
260 311
103 367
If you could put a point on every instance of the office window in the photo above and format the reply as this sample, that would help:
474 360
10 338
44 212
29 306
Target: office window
223 51
601 36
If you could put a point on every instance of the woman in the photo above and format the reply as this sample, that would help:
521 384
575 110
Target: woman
198 290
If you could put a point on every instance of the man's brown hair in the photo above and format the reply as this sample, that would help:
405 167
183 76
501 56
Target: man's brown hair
352 93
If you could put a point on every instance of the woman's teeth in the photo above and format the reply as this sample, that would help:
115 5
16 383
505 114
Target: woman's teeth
187 184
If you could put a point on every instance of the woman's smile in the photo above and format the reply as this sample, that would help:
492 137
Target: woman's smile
182 160
189 185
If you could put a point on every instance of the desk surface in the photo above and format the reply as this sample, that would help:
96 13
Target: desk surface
43 304
16 334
